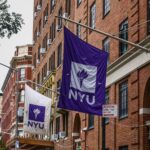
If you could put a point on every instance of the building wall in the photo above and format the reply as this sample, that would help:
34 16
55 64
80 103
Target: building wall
12 87
132 67
1 97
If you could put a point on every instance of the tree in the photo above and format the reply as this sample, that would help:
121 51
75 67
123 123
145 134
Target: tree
10 23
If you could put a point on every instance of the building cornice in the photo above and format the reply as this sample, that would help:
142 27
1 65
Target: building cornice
127 63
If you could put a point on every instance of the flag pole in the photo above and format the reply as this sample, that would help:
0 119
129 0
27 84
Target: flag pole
106 34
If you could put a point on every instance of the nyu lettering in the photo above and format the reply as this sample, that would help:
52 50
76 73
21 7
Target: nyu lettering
82 97
35 124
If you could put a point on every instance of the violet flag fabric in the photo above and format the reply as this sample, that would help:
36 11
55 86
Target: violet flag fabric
84 76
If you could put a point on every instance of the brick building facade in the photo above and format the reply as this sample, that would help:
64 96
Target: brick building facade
128 73
13 94
1 96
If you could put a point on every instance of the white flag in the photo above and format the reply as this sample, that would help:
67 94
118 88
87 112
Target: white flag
36 112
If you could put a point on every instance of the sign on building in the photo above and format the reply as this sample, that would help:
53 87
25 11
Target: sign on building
110 110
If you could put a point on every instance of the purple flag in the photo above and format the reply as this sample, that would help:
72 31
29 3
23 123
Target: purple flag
84 76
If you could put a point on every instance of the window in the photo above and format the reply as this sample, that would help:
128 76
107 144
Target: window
58 85
124 35
57 125
45 16
40 2
59 55
53 31
22 96
52 62
39 54
78 2
52 5
106 46
106 7
34 60
107 102
35 35
123 148
40 26
79 30
65 123
42 74
51 127
38 78
91 121
68 7
93 16
59 19
22 74
20 114
20 133
123 100
44 43
45 70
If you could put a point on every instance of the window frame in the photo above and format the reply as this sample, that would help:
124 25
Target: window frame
65 122
22 74
105 10
52 5
68 7
123 101
78 30
60 13
123 32
59 55
90 121
57 129
93 25
123 147
106 47
78 3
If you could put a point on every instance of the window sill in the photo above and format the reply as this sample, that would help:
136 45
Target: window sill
90 128
123 117
106 123
104 15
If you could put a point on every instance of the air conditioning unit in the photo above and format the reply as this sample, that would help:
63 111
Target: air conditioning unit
84 129
46 18
42 50
54 137
37 61
65 15
49 41
58 27
20 112
62 134
39 7
36 88
38 34
48 72
35 14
